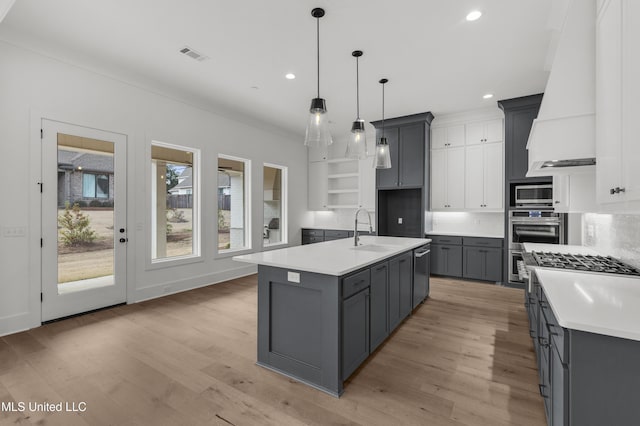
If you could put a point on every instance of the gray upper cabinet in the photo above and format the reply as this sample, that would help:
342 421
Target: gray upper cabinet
411 156
407 138
519 114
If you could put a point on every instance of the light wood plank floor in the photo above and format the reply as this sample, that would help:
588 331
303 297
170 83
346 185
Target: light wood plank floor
463 358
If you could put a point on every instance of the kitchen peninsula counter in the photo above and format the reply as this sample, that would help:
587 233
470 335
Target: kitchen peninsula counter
323 308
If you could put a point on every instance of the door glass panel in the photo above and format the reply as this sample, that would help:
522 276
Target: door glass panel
233 190
274 220
86 191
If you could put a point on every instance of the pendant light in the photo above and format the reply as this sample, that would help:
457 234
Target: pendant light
357 145
318 126
382 159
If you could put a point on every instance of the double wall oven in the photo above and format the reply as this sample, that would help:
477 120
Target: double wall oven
532 226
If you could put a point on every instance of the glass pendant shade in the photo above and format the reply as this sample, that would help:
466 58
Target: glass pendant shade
357 145
382 159
318 126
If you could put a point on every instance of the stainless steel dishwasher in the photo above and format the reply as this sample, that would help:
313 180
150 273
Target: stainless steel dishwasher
421 272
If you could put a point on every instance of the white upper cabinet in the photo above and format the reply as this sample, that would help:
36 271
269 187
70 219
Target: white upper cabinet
484 132
617 107
442 137
467 162
575 193
484 177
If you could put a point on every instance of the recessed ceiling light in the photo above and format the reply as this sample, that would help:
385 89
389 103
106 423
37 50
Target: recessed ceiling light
487 96
474 15
290 76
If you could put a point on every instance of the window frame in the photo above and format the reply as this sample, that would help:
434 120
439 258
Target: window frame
196 255
284 205
248 240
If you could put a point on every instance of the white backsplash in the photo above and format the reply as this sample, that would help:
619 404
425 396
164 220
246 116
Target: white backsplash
617 235
338 219
489 223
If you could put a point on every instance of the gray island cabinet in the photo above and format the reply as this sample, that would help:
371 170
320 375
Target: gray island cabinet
324 308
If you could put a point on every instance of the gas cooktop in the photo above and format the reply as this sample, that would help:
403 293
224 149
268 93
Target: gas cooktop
588 263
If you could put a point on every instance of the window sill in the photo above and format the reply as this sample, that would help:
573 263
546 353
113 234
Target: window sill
233 252
169 262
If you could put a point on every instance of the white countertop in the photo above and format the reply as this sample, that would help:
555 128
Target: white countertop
337 257
465 234
596 303
592 302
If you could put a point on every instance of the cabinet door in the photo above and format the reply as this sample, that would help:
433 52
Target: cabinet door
630 104
494 131
400 294
474 177
318 186
475 133
455 136
438 137
438 179
561 193
609 101
437 261
355 332
388 178
473 263
492 265
453 259
379 302
493 175
559 383
455 178
411 155
406 284
319 153
520 127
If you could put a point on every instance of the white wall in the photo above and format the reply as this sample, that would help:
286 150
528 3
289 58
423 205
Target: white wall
33 86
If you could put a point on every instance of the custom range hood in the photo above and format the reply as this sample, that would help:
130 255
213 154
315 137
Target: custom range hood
562 139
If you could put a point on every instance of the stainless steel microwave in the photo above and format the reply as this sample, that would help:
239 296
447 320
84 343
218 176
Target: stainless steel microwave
534 195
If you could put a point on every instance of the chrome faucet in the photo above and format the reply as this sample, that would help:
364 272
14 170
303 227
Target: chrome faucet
355 228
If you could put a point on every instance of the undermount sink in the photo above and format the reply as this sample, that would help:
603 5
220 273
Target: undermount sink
372 247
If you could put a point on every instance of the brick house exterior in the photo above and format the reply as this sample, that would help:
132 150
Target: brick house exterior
85 177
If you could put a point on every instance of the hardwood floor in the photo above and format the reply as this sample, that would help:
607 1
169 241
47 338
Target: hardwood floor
463 358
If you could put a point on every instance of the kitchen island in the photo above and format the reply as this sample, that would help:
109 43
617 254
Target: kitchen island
323 308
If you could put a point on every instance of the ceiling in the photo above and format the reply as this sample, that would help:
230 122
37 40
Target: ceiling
434 59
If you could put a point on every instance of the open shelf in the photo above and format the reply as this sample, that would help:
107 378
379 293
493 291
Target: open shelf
343 191
342 175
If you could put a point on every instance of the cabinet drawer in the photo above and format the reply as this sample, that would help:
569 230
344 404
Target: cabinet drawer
313 232
443 239
311 240
482 242
335 235
354 283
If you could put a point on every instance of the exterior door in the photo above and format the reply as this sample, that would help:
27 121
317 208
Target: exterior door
83 219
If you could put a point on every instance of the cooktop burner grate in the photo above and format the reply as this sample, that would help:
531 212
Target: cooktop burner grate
579 262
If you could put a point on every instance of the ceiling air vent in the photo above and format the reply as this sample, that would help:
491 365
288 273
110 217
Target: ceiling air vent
193 54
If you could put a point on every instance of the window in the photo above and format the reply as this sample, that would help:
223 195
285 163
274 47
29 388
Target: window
234 232
95 186
274 205
174 202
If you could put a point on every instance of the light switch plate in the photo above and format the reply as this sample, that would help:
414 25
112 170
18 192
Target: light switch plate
399 221
14 231
293 277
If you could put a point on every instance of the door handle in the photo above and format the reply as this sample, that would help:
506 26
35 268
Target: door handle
418 255
124 240
122 230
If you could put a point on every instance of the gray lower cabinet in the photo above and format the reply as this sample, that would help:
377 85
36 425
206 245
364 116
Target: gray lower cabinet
355 331
400 290
586 379
379 305
446 260
476 258
482 263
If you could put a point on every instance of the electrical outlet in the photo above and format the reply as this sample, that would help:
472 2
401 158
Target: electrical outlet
591 231
399 221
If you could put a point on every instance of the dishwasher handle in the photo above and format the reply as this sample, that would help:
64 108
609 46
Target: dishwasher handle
423 253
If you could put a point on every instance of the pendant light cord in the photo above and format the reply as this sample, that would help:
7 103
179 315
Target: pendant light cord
357 89
383 110
318 49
